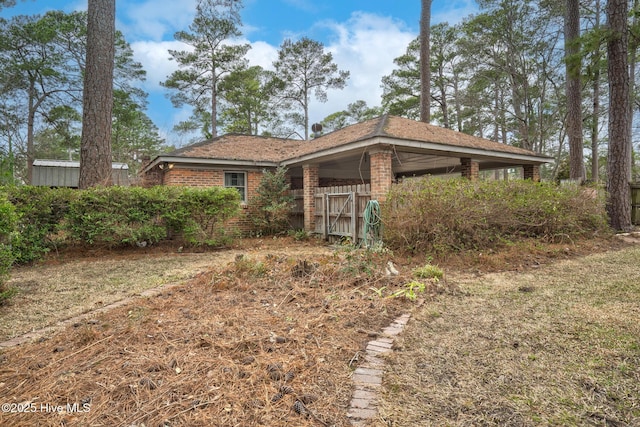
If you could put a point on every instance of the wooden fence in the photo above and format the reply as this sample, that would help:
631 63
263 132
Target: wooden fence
296 218
635 204
339 211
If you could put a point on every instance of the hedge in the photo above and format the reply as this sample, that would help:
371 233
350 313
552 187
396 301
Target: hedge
8 220
439 216
121 216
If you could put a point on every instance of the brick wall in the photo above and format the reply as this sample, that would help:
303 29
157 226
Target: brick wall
244 223
469 168
311 180
381 174
531 172
201 177
194 177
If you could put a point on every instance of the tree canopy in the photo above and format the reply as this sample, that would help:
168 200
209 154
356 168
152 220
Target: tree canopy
210 57
43 59
303 69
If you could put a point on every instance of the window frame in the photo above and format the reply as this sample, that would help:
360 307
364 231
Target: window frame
243 193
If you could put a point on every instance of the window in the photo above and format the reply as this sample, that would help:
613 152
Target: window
238 181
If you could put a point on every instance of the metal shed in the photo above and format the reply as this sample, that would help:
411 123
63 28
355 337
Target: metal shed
66 173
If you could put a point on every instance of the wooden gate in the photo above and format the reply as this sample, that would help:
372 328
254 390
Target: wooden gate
340 211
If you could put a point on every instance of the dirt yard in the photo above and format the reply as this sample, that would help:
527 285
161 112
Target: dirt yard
72 283
264 334
268 333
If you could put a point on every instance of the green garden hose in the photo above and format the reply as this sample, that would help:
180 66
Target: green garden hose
372 224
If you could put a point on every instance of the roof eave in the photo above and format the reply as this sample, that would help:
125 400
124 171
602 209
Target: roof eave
207 162
470 151
424 146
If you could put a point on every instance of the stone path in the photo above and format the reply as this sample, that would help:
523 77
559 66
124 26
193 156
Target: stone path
368 377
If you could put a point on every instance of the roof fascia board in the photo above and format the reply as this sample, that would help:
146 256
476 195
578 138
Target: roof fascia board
208 162
330 152
429 146
471 152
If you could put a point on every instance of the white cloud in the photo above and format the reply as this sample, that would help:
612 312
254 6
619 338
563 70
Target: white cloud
262 54
155 58
366 46
156 19
455 12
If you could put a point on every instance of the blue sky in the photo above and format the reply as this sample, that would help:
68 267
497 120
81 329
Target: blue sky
364 37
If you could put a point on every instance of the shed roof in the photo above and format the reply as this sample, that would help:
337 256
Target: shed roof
71 164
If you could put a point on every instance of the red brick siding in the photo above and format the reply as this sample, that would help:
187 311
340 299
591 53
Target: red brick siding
196 177
469 168
381 174
531 172
311 180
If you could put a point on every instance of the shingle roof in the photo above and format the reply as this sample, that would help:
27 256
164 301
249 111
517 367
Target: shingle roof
239 147
401 128
404 129
266 149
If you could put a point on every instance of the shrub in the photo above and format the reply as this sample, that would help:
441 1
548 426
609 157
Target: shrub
202 215
115 216
272 205
40 211
410 290
123 216
428 271
8 220
440 216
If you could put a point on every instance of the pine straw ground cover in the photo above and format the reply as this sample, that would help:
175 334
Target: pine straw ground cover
266 340
81 280
557 345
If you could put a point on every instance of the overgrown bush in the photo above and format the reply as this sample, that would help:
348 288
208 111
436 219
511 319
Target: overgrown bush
201 215
123 216
40 211
439 216
271 207
8 220
116 216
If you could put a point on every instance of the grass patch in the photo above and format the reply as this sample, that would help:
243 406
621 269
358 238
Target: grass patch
555 346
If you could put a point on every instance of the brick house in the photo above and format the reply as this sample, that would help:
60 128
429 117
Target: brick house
378 151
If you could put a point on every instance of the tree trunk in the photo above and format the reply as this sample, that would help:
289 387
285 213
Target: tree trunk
214 107
573 66
456 94
95 150
30 132
445 107
619 194
633 47
425 63
306 111
595 157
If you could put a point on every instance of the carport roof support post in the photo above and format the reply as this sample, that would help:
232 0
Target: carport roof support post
381 173
469 168
310 181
